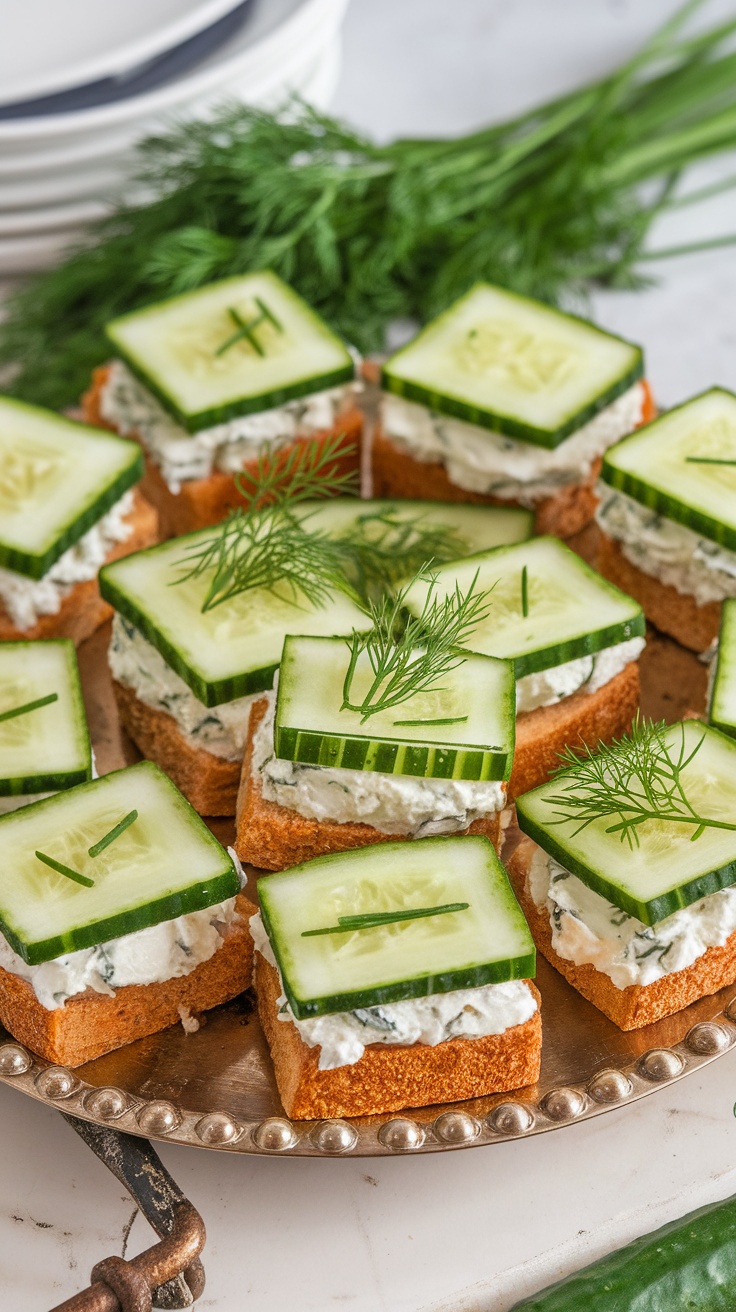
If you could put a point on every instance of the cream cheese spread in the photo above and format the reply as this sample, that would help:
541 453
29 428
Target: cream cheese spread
343 1036
395 804
483 461
666 550
181 456
589 930
26 599
134 661
587 673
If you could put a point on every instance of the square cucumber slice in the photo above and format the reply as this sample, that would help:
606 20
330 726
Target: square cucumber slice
47 748
514 365
165 864
666 871
231 348
310 726
229 651
57 479
722 709
683 465
486 944
475 528
571 610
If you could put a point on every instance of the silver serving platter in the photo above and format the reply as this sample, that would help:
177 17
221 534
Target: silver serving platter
215 1088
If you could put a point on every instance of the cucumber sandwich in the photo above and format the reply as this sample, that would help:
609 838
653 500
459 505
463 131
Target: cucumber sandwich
210 380
628 875
395 976
722 692
67 505
502 398
668 520
572 637
396 731
120 913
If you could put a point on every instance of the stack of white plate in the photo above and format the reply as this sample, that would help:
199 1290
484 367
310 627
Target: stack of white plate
81 83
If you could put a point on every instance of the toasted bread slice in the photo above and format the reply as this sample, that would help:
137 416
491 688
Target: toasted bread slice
91 1024
675 613
274 837
208 782
83 611
584 719
388 1078
638 1004
205 501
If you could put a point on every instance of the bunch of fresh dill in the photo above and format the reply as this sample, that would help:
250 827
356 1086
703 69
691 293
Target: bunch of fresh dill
544 203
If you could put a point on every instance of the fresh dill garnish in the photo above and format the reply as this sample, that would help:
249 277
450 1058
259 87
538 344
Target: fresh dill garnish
636 779
416 657
267 544
707 460
525 592
247 331
388 545
448 719
113 833
373 919
547 203
67 871
29 706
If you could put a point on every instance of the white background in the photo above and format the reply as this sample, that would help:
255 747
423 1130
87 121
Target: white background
470 1231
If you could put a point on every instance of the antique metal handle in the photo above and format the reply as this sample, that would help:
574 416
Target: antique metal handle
168 1275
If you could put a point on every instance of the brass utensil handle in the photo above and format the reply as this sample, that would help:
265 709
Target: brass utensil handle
168 1275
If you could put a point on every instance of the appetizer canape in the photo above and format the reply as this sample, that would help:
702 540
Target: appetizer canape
506 400
44 738
722 690
68 503
210 380
395 977
627 874
574 640
668 517
120 914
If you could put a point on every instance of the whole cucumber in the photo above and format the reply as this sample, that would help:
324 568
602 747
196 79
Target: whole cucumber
686 1266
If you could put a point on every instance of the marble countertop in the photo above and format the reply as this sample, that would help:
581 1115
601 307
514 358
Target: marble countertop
469 1231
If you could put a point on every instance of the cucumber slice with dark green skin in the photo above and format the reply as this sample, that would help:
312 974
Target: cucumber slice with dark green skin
515 366
309 726
487 943
571 610
229 651
722 709
687 1264
683 465
165 864
57 479
666 871
48 748
235 347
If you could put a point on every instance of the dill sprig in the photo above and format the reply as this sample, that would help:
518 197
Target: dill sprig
545 203
375 919
268 544
387 546
636 779
416 657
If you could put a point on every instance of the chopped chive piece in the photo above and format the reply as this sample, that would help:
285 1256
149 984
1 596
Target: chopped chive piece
707 460
61 869
525 592
450 719
29 706
373 919
248 329
114 833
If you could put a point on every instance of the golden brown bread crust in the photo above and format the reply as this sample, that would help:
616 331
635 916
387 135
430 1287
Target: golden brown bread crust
205 501
207 781
386 1079
584 719
638 1004
91 1024
273 837
83 611
673 612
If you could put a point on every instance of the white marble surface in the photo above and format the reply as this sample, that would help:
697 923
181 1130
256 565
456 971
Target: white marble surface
467 1231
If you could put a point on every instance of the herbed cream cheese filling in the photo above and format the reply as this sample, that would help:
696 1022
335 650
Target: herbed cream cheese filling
586 674
666 550
181 456
480 460
395 804
589 930
343 1036
26 599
